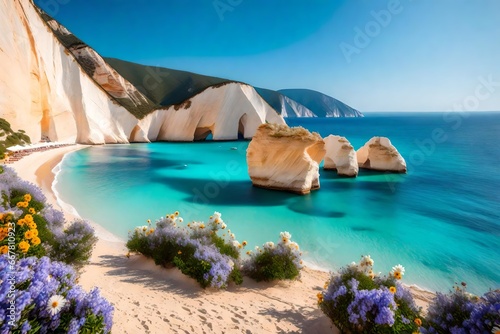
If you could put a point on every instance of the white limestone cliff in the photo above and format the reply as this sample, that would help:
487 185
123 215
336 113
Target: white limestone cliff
283 158
379 154
341 156
45 91
224 112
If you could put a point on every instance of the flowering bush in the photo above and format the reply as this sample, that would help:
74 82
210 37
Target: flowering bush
462 313
272 262
30 227
197 249
359 301
74 245
38 295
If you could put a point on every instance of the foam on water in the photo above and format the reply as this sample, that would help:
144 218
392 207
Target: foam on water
441 220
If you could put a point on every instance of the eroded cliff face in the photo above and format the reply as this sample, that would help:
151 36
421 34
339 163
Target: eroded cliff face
341 156
379 154
54 85
226 112
284 158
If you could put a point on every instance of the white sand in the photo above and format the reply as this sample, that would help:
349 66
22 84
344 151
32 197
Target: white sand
151 299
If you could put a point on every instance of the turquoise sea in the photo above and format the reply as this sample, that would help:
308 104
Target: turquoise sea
441 220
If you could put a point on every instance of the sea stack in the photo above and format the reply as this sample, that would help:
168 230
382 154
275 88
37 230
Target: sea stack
284 158
379 154
340 156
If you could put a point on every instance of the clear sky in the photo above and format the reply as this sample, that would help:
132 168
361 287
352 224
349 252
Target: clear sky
375 55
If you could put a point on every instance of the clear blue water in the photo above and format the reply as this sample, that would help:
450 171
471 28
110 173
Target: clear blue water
441 220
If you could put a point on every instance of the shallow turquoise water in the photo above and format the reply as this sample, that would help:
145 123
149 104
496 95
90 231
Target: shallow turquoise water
441 220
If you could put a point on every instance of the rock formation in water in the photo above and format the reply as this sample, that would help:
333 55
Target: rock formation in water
55 86
341 156
379 154
284 158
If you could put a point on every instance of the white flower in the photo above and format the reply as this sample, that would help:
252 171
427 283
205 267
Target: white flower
353 265
285 236
180 219
366 261
216 216
293 245
236 244
269 245
223 226
55 304
397 269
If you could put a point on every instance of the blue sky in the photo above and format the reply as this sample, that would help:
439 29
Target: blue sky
375 55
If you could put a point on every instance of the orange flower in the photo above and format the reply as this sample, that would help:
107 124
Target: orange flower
4 249
418 322
24 246
28 234
36 241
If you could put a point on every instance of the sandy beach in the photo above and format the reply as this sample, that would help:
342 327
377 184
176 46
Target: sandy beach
150 299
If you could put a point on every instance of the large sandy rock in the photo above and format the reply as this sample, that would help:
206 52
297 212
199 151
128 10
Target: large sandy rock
379 154
341 156
284 158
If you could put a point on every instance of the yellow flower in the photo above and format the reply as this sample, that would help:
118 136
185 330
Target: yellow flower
1 216
32 225
21 222
20 204
149 221
172 216
249 252
397 275
28 234
27 197
202 226
28 218
32 211
35 232
176 213
244 243
24 246
392 289
179 252
320 297
418 322
36 241
4 249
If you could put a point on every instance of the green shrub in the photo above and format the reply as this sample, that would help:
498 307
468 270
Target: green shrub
357 301
196 249
279 262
